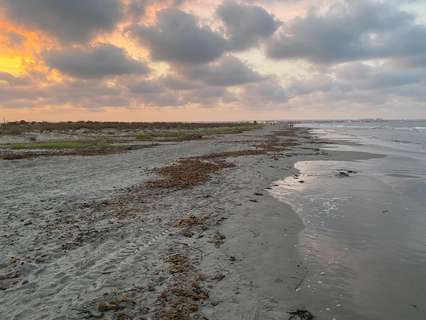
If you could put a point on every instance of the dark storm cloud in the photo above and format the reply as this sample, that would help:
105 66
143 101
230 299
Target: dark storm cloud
228 71
246 25
67 20
178 37
95 62
352 30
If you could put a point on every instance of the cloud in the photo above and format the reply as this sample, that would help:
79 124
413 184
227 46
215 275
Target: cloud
266 93
179 37
304 86
178 83
94 62
89 94
135 10
209 96
67 20
7 78
350 31
361 76
146 87
361 83
154 93
159 93
363 55
246 25
228 71
15 39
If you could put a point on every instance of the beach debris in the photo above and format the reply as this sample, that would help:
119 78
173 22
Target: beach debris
8 283
217 239
178 263
215 303
345 173
87 314
12 269
187 233
269 145
109 303
109 306
192 221
183 290
187 173
231 154
189 137
181 299
220 220
300 314
193 171
258 194
218 277
35 152
121 316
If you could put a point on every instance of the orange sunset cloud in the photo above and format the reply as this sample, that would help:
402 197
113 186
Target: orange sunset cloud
191 59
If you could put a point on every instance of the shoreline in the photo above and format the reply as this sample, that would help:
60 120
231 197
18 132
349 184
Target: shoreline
361 217
214 250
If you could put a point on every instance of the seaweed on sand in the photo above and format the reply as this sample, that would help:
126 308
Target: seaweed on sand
182 297
230 154
301 314
187 173
217 239
56 150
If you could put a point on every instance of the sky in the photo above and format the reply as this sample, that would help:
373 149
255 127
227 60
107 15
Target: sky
206 60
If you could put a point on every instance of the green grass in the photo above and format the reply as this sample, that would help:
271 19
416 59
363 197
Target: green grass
230 130
61 144
174 135
152 135
182 135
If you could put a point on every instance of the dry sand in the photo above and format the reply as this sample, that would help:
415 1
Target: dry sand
88 238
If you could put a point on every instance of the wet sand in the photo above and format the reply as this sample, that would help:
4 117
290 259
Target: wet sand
85 237
363 243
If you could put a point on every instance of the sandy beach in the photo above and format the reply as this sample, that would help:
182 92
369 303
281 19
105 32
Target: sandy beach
212 160
184 230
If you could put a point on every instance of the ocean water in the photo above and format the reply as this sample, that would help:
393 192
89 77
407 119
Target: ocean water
364 242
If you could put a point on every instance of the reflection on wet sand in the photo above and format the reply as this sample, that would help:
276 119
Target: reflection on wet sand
363 242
